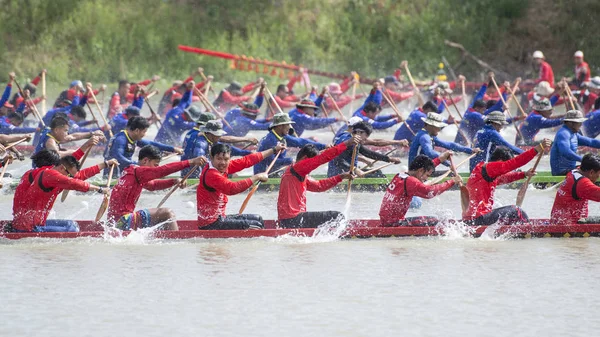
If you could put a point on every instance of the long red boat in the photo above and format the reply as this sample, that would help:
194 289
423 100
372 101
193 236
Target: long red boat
354 229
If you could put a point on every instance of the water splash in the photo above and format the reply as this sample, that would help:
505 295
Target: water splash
141 236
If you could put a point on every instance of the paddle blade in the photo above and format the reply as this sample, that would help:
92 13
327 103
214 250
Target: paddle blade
464 198
521 194
245 203
64 195
102 209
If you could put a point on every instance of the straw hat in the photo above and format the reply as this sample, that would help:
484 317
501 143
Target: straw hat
496 117
249 108
281 119
434 119
544 89
574 116
213 127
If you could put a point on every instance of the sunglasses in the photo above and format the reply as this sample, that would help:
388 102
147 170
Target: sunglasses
68 173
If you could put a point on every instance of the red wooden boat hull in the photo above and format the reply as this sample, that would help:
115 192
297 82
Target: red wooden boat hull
356 229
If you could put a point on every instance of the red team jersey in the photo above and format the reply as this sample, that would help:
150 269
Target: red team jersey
571 204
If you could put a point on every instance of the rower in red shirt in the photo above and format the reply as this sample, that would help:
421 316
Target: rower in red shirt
571 202
484 179
582 71
545 73
34 205
291 204
214 187
147 174
405 186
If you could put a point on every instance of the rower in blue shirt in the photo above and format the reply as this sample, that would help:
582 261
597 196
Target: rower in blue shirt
207 132
591 127
375 95
426 139
342 163
11 124
244 118
415 121
176 121
278 133
369 115
122 145
563 155
489 138
304 117
538 119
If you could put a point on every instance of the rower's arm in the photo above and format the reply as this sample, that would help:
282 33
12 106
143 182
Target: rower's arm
563 143
6 94
373 154
586 189
479 95
322 185
417 188
250 160
498 168
586 141
220 183
305 166
65 183
452 146
497 138
510 177
160 184
146 174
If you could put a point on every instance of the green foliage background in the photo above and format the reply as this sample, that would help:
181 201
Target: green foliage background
107 40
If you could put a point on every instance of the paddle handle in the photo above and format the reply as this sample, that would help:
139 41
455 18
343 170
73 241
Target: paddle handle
33 107
523 190
337 108
3 172
388 99
506 106
251 193
455 122
327 116
15 143
101 114
354 154
273 99
174 188
44 91
415 88
94 115
377 168
373 163
65 193
152 111
440 178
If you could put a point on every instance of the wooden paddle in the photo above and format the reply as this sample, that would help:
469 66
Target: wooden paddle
174 188
93 115
375 161
327 116
104 204
337 108
523 190
412 82
210 107
377 169
3 172
388 98
464 192
154 114
8 147
570 95
33 107
354 154
464 95
251 193
505 105
44 91
110 133
169 156
456 123
355 75
273 100
65 193
440 178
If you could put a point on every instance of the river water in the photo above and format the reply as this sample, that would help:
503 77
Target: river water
289 286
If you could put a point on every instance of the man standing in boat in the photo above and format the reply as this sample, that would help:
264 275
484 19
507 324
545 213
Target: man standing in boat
563 156
571 202
291 203
215 186
484 179
145 174
404 187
